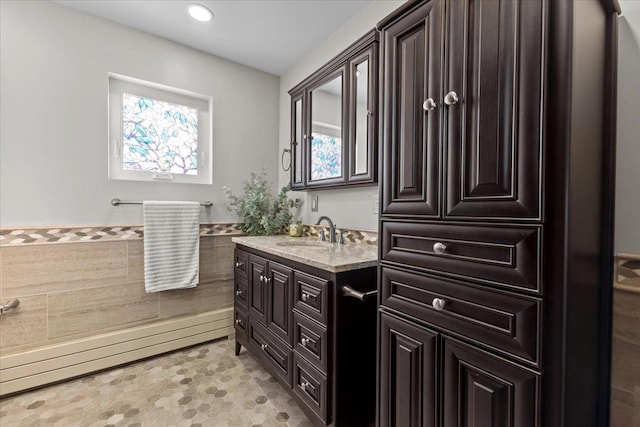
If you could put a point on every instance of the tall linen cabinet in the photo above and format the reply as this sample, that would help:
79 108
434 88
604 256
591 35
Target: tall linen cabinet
497 127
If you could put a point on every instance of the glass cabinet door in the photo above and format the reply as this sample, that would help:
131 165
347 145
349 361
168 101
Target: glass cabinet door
297 139
362 123
326 147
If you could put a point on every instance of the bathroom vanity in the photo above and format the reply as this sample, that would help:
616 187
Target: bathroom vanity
305 309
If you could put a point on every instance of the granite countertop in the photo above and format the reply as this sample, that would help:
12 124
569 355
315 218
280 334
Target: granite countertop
332 257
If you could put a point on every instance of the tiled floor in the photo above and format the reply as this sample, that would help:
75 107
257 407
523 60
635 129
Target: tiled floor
206 386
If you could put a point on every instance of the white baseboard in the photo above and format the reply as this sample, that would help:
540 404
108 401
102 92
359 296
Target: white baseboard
33 368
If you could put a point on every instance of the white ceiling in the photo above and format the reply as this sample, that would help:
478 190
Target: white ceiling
270 35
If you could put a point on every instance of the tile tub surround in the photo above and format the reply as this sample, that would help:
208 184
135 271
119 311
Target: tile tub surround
625 369
83 288
205 385
332 257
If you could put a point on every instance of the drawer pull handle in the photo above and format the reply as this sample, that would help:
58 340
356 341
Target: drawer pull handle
439 248
305 341
438 303
239 264
238 322
264 346
305 385
305 297
348 291
239 293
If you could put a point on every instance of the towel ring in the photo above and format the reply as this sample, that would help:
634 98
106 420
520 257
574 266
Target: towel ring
285 151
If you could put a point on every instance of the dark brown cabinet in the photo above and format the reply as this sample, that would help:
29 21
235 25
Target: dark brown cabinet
334 133
316 341
497 129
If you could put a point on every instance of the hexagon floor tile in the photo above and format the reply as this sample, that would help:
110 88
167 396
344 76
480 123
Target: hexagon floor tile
205 386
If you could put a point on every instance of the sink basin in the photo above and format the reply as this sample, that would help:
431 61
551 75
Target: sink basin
303 244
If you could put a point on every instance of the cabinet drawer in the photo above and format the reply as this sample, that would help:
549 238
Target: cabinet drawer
240 263
240 292
310 385
311 296
240 322
269 348
508 322
310 340
506 256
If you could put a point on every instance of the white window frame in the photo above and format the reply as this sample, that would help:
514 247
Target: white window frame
119 84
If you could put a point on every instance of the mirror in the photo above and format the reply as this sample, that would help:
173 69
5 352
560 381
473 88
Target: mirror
361 142
326 131
296 146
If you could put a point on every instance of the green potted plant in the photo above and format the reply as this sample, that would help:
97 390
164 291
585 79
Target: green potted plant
259 211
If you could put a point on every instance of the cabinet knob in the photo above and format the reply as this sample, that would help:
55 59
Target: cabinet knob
438 303
451 98
238 322
305 341
305 297
264 346
429 104
439 248
239 292
304 386
239 264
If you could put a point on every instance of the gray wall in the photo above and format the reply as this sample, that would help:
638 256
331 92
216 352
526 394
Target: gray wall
628 150
347 207
53 116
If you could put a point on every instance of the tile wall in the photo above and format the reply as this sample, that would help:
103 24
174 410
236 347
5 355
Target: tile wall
74 283
625 369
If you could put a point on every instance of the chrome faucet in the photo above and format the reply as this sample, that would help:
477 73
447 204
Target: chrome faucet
332 229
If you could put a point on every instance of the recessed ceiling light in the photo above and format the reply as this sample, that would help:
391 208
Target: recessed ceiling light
199 12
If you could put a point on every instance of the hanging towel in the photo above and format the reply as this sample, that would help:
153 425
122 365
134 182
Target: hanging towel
171 245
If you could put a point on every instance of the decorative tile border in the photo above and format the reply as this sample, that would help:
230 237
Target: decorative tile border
13 236
351 236
628 272
40 236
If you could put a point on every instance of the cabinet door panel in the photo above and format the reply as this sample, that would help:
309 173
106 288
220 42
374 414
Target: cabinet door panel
483 391
494 130
279 315
258 288
412 66
407 376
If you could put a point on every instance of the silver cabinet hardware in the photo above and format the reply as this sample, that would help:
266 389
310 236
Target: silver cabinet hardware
438 303
305 385
264 346
305 296
238 322
348 291
10 305
305 341
451 98
239 264
429 104
439 248
239 292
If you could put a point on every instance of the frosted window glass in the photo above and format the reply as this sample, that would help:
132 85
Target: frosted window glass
326 156
159 136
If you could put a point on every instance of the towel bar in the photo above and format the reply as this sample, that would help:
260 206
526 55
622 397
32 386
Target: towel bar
116 202
13 303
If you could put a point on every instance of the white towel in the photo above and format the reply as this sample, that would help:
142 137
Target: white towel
171 245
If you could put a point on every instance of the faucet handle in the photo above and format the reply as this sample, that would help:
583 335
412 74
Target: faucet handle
341 236
322 236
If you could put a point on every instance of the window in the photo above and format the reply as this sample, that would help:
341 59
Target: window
158 133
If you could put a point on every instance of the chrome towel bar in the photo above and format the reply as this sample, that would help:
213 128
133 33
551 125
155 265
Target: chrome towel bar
348 291
13 303
116 202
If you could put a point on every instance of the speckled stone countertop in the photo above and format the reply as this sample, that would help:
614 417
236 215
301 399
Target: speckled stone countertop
332 257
